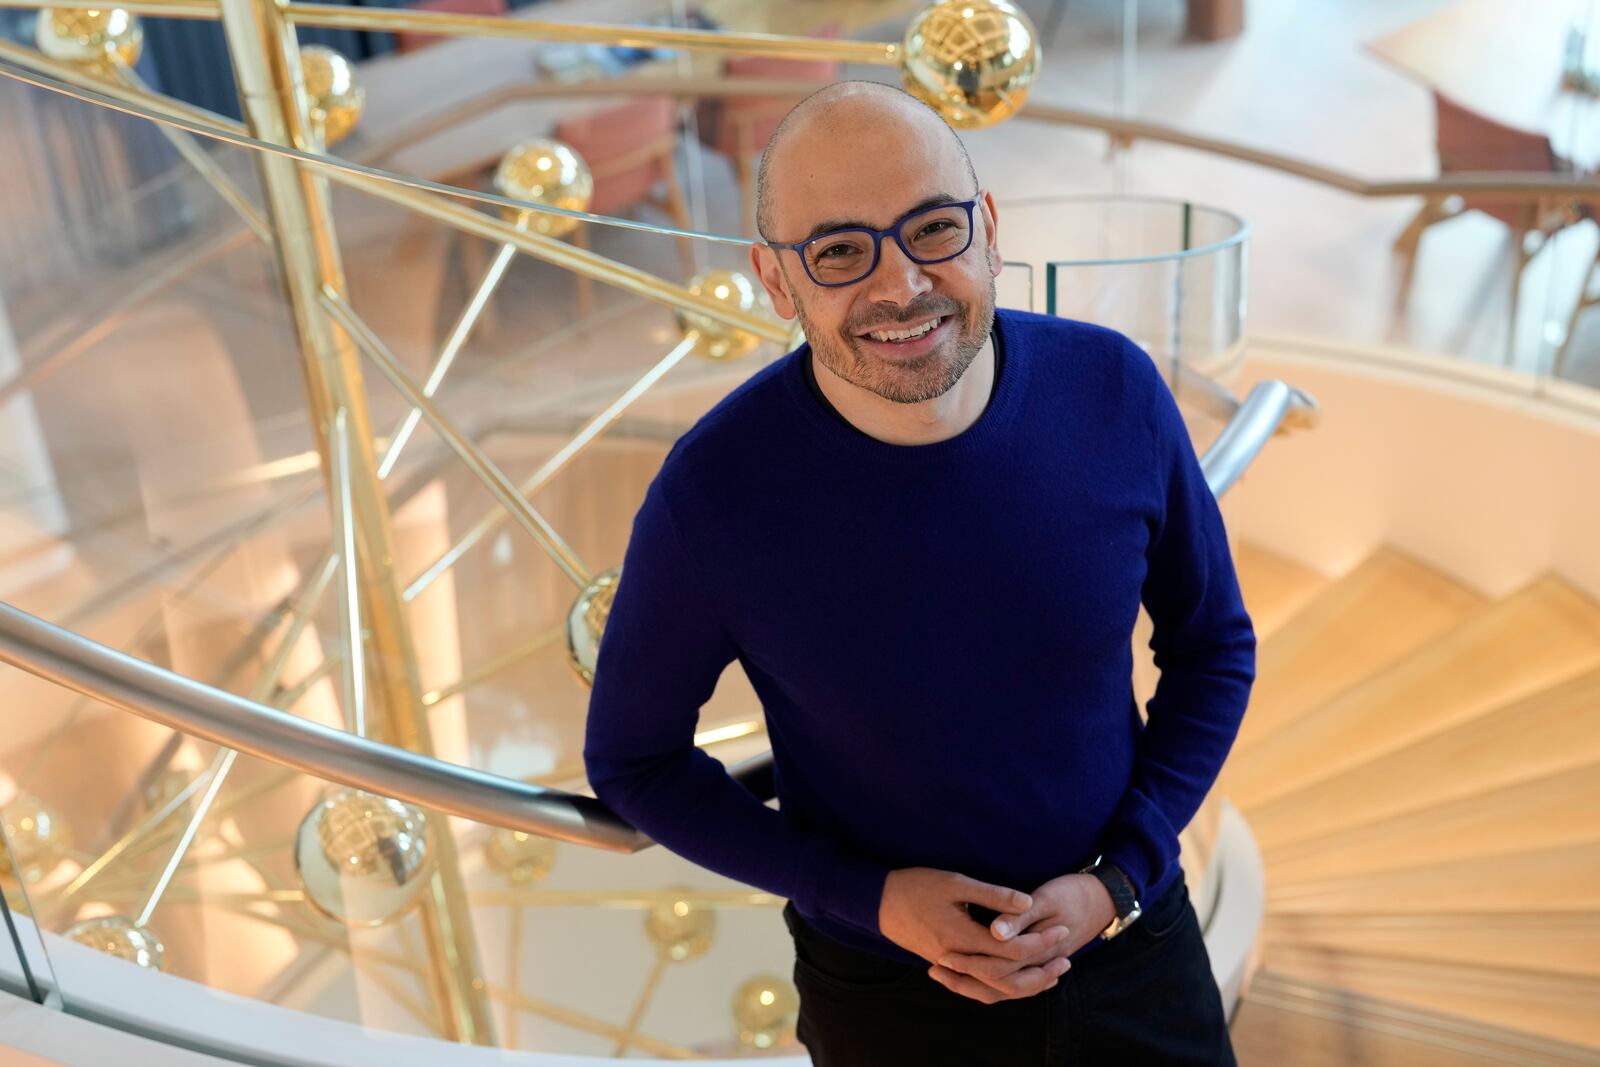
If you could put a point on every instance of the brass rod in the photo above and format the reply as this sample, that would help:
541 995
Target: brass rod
351 632
447 355
22 67
589 1025
641 1004
628 899
491 520
394 20
94 328
494 666
203 164
295 692
219 774
172 9
482 467
579 261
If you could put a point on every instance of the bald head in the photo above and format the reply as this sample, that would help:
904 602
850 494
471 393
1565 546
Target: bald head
855 116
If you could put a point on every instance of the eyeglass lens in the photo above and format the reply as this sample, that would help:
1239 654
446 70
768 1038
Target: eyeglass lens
931 235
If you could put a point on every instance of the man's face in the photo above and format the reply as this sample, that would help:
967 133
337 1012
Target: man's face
869 169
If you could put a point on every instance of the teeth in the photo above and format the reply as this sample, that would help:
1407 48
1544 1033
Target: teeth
904 335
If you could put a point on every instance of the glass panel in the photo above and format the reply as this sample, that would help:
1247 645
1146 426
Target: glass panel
38 833
1169 274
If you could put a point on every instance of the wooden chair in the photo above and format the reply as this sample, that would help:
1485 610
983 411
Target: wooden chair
1470 142
630 149
740 126
410 41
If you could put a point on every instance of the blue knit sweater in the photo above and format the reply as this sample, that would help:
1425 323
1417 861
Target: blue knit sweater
940 635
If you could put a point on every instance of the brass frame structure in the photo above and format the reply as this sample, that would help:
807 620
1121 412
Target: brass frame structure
299 231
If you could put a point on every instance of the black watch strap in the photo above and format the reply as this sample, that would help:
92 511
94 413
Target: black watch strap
1120 886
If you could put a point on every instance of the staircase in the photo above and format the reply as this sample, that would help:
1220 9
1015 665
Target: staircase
1420 767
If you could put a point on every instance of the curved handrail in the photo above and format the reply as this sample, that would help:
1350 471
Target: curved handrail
69 659
1257 417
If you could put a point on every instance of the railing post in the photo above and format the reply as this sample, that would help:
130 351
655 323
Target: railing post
266 63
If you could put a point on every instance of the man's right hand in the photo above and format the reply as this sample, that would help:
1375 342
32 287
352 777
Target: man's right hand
924 911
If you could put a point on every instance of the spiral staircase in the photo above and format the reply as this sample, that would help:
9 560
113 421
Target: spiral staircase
1420 767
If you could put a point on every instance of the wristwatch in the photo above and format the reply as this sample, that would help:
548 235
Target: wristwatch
1122 895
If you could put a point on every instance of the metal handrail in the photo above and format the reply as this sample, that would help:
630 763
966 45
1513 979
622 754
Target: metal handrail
191 707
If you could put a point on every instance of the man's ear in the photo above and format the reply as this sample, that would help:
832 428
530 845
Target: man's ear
765 262
986 204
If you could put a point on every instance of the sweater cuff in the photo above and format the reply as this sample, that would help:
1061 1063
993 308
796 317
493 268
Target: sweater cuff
843 884
1140 842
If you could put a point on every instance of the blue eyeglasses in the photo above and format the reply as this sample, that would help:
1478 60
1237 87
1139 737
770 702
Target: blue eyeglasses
926 235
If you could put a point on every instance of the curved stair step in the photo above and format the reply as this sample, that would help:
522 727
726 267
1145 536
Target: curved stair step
1554 1005
1543 734
1542 635
1564 878
1542 812
1554 942
1389 606
1284 1019
1275 587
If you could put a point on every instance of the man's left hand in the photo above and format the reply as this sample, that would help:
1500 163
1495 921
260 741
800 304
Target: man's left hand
1079 902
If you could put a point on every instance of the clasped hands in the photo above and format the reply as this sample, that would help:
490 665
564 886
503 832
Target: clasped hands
1023 952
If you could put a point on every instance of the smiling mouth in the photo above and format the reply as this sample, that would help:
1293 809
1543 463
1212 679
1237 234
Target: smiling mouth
899 335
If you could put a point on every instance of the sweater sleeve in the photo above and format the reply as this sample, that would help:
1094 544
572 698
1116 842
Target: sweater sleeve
662 651
1204 647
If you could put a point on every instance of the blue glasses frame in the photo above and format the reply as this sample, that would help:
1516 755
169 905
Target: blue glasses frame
877 241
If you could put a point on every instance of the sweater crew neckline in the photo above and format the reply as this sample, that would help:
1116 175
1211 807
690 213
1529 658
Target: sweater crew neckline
843 437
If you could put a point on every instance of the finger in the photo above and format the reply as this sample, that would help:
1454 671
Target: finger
1037 980
1021 947
967 987
997 897
990 965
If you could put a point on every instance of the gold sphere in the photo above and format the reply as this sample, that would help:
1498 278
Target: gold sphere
90 35
37 836
334 98
545 172
362 858
119 936
522 857
972 60
767 1008
586 622
679 929
714 340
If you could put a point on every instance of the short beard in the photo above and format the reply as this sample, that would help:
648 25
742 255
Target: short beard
910 382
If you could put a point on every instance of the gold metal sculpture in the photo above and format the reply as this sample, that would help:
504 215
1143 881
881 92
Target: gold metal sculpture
95 37
713 339
334 95
586 622
973 62
362 858
120 936
524 858
37 836
545 172
680 928
766 1008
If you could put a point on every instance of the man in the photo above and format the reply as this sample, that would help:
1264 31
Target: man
925 536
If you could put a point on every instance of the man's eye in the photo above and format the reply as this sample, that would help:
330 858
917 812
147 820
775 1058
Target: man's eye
838 251
934 227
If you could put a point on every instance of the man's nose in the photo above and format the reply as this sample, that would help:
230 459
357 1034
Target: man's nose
897 278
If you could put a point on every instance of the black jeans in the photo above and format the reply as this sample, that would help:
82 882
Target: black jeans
1146 998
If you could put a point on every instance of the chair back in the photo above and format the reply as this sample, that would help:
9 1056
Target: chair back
628 148
1469 141
742 125
410 41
